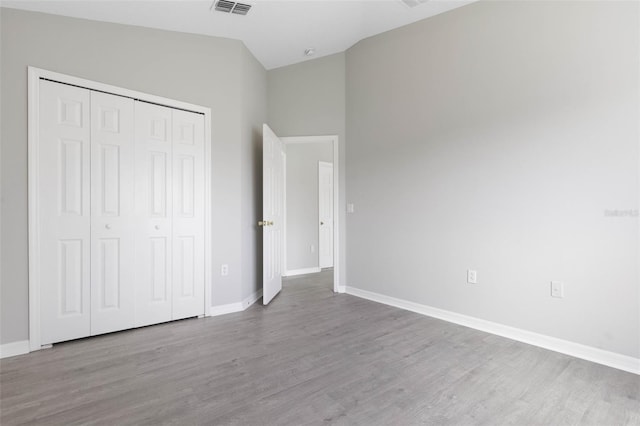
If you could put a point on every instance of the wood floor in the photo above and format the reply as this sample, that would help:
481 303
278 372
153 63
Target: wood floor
311 357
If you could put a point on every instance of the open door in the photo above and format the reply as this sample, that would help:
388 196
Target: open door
272 213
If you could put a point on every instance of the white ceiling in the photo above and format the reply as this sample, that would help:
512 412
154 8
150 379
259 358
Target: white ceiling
277 32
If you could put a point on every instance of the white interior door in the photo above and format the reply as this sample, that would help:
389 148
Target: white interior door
112 213
325 214
64 211
153 201
188 214
272 213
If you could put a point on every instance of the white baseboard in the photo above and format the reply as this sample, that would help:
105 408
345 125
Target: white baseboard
226 309
236 307
304 271
589 353
14 348
342 289
251 299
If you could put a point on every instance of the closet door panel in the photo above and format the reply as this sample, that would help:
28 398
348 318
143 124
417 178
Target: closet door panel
153 201
64 211
112 213
188 214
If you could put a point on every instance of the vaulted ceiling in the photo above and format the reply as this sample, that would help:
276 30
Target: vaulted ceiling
277 32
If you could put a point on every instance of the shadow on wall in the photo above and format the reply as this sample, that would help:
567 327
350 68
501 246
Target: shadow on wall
256 139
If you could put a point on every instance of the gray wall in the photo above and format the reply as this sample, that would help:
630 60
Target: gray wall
302 202
494 137
202 70
308 99
254 114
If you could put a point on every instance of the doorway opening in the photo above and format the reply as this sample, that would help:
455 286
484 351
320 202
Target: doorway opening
311 228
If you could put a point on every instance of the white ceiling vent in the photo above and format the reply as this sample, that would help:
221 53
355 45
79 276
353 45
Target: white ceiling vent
241 9
231 7
224 6
413 3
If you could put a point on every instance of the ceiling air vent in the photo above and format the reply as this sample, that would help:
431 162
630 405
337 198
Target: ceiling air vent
413 3
241 9
232 7
224 6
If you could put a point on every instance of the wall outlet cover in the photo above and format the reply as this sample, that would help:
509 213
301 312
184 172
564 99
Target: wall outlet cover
557 289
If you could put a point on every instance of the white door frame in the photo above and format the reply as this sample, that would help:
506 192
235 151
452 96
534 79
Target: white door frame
34 77
334 140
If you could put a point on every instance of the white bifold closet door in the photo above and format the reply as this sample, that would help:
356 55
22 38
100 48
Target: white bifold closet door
64 199
170 207
112 213
121 205
188 214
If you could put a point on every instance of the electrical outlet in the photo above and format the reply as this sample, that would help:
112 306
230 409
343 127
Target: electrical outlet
472 276
350 208
557 289
312 248
224 270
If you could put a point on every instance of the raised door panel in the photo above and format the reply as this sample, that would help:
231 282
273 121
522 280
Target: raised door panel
112 213
63 173
185 267
186 166
159 274
70 286
153 201
157 163
188 215
107 287
71 180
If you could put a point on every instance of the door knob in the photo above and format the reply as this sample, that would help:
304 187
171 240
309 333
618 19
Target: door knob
157 226
262 223
321 223
107 226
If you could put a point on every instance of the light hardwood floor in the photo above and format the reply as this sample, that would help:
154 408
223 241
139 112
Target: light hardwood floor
311 357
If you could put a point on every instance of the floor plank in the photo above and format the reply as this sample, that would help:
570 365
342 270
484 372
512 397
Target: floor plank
311 357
